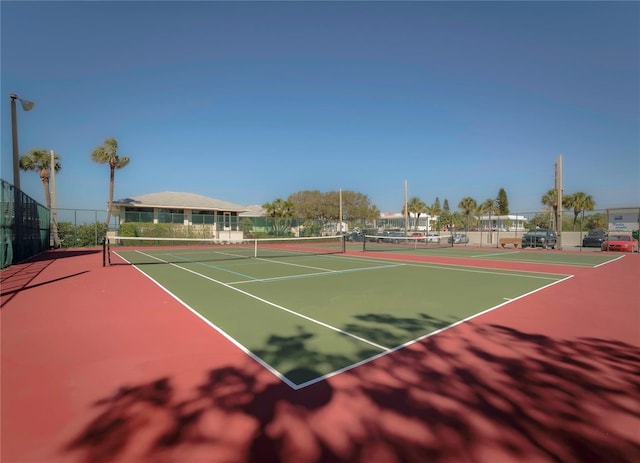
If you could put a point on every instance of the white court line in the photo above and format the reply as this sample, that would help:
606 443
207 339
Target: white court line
230 338
307 275
461 268
385 350
529 261
273 304
496 254
608 262
421 338
293 264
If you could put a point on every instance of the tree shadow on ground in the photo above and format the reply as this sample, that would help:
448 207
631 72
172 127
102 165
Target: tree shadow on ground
18 277
494 394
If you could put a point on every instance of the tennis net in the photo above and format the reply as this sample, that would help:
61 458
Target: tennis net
147 250
398 242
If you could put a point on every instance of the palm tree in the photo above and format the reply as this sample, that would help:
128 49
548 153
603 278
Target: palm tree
490 206
468 205
108 154
40 161
281 211
415 206
435 211
550 199
579 202
431 212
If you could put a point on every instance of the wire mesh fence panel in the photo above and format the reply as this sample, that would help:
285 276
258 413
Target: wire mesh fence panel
24 226
82 227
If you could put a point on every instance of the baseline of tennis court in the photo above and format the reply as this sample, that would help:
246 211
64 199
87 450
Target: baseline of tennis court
338 310
541 256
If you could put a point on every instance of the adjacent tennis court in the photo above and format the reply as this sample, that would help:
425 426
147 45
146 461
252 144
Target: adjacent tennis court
339 309
416 247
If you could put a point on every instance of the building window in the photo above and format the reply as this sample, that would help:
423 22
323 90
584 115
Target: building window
203 217
171 216
138 214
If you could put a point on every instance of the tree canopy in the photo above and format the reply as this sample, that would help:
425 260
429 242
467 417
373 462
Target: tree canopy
417 207
579 202
502 202
312 204
108 154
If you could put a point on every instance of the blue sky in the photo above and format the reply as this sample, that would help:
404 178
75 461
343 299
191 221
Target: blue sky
251 101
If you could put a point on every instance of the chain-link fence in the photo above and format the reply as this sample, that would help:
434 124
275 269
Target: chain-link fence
86 227
82 227
24 226
79 227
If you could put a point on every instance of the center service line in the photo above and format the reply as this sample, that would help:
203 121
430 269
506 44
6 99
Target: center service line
273 304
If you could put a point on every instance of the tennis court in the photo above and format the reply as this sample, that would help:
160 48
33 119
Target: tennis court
314 355
342 310
412 247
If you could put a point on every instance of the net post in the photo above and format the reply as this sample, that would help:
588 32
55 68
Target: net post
104 251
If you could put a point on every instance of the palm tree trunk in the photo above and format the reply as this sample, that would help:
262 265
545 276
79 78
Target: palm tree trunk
112 177
47 198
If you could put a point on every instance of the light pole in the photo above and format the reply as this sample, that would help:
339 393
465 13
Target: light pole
26 106
17 204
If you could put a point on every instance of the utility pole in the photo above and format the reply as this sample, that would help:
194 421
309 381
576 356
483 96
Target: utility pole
558 187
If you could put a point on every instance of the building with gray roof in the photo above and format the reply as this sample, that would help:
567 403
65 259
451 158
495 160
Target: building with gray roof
186 209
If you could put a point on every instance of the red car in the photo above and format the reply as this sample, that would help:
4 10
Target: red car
620 242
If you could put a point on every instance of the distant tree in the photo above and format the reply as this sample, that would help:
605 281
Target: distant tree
467 205
550 199
503 202
459 221
415 206
578 202
594 221
490 207
541 221
40 161
309 204
247 226
281 211
435 207
355 205
445 219
108 154
312 204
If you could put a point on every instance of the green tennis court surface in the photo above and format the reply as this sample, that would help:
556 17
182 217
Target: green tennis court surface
308 317
587 258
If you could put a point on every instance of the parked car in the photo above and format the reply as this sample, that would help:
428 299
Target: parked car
433 238
620 242
353 236
541 238
394 237
594 238
458 238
